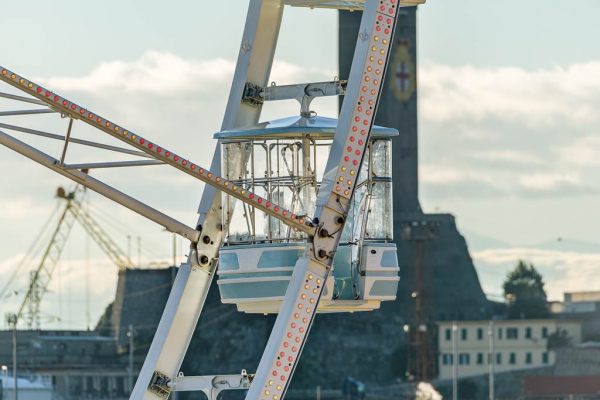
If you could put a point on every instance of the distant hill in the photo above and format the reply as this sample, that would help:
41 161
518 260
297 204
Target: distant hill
479 242
570 245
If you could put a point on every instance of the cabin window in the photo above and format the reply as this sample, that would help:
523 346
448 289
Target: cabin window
287 172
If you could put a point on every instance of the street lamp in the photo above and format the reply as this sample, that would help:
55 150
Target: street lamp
12 320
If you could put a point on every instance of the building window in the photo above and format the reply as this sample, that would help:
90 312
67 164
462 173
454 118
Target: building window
528 358
448 334
545 357
545 332
479 358
512 333
512 359
499 333
479 333
447 359
464 359
463 334
499 358
528 332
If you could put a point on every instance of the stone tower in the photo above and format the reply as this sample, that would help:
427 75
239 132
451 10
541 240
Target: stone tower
451 283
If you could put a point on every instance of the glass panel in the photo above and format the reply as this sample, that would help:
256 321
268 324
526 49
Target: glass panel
380 224
382 158
288 172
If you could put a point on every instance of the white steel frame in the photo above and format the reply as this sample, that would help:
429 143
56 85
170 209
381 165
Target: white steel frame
160 373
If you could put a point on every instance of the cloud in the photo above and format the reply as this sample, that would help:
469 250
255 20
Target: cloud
583 151
563 271
550 182
16 208
511 132
163 73
462 181
154 72
537 98
508 157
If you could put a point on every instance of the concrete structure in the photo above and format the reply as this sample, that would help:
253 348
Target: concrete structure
581 302
450 280
518 345
139 302
584 306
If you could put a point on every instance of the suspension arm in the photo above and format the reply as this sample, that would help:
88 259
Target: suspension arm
66 107
100 187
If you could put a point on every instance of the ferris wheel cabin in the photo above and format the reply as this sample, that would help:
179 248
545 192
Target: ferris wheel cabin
286 158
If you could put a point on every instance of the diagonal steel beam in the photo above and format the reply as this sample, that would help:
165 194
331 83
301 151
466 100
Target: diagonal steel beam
74 140
75 111
21 98
100 187
25 112
298 309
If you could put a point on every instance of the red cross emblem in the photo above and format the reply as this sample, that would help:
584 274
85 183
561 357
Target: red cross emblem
402 76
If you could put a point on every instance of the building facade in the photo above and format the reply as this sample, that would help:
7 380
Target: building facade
517 345
75 364
582 302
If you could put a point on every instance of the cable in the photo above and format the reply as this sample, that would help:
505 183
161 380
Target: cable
28 253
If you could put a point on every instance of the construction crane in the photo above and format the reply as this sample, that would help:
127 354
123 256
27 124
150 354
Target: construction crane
29 309
319 228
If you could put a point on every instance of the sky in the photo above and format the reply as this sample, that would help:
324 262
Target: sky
509 133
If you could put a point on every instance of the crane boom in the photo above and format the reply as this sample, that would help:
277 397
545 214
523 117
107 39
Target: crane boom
102 239
41 276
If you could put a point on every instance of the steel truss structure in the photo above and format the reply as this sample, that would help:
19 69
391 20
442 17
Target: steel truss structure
160 373
40 277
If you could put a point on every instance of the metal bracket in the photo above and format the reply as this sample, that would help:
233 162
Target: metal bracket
304 93
252 94
211 385
159 385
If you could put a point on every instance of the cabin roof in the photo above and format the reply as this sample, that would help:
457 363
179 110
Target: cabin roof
297 126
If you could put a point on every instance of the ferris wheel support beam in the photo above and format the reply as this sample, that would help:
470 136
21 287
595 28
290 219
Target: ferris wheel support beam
189 292
324 230
74 111
99 187
298 309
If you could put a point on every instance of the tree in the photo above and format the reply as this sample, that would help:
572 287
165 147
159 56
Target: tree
524 292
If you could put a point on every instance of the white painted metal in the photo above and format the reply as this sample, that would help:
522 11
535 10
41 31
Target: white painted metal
75 111
113 164
311 271
154 215
173 336
343 166
74 140
343 4
21 98
211 385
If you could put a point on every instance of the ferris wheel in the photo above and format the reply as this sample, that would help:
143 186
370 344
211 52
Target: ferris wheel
296 217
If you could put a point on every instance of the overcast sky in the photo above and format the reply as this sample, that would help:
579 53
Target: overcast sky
509 128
